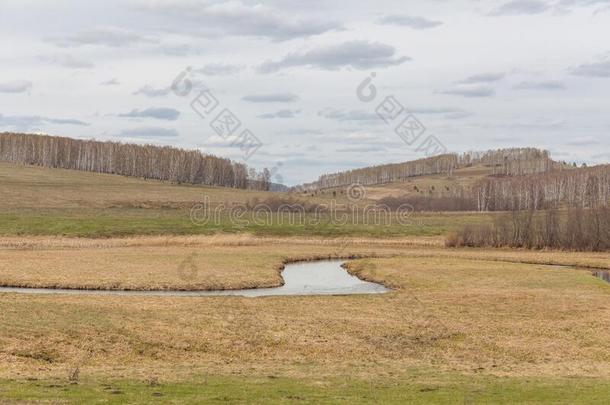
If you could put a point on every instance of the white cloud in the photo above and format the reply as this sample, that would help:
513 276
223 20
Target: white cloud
418 23
161 113
18 86
351 54
26 122
280 114
149 132
150 91
597 69
521 7
220 69
67 61
239 19
483 78
271 98
470 91
105 36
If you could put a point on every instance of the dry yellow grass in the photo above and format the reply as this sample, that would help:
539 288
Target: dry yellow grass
462 178
31 187
179 263
446 314
216 262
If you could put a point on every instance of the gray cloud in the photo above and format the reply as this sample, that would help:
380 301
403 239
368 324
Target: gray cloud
353 137
483 78
106 36
150 91
520 7
432 110
25 122
447 112
271 98
458 115
583 3
362 148
111 82
506 139
149 132
542 85
354 54
236 18
217 142
471 91
178 49
220 69
525 125
67 61
583 141
280 114
19 86
161 113
599 69
302 131
418 23
346 116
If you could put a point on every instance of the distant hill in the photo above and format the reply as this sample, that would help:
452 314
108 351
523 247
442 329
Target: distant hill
507 162
506 179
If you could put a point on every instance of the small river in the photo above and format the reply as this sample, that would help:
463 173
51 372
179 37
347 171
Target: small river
303 278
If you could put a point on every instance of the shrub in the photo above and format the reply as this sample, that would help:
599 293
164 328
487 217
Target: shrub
579 230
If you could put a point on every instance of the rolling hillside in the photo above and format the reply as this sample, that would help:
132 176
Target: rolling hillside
44 201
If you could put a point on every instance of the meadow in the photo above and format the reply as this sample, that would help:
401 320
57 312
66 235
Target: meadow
39 201
463 325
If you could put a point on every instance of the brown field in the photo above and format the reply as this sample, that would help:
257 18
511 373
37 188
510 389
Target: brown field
179 263
25 187
218 262
480 325
451 311
31 187
462 178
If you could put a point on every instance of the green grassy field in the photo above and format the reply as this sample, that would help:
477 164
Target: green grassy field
112 222
416 386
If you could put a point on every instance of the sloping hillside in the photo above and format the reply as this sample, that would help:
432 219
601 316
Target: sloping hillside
501 162
35 187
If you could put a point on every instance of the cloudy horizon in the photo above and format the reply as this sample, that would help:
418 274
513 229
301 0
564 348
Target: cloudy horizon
478 75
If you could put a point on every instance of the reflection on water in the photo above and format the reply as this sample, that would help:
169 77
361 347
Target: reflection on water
604 275
306 278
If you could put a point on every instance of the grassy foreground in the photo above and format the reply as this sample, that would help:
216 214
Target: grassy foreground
415 387
467 326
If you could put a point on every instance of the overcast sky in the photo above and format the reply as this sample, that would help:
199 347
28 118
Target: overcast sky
476 74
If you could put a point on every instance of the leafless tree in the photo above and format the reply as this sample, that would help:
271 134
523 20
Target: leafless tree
145 161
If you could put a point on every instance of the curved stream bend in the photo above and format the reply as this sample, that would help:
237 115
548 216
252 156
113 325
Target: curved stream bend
303 278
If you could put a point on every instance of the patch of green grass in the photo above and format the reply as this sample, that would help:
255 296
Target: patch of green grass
429 388
117 222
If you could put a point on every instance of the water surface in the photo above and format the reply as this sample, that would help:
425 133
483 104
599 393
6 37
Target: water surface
304 278
604 275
